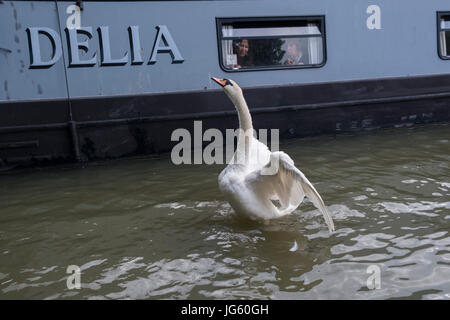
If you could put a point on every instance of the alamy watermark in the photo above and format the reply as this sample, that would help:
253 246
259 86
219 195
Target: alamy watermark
221 148
74 278
374 280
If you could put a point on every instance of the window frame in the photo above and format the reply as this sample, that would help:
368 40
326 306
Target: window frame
439 15
227 20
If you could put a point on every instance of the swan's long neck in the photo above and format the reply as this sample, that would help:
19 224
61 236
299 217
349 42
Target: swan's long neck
246 132
245 119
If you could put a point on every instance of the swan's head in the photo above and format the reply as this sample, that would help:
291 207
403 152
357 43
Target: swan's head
231 88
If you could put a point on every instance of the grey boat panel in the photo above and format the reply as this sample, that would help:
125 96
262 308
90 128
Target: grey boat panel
404 46
18 81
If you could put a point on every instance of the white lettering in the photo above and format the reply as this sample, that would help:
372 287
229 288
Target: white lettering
184 146
74 280
198 310
74 20
374 20
374 280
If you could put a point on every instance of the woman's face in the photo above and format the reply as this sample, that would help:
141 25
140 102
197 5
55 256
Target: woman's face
243 48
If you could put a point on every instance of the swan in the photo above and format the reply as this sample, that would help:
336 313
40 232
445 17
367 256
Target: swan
256 177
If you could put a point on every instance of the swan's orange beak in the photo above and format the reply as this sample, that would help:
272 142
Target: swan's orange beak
222 82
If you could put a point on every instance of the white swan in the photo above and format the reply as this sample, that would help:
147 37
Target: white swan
255 177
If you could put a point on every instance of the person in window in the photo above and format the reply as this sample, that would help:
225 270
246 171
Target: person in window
294 54
243 56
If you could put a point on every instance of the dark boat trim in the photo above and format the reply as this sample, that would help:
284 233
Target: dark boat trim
218 114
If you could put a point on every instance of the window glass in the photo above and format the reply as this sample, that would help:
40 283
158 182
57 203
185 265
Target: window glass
444 36
445 22
247 45
265 32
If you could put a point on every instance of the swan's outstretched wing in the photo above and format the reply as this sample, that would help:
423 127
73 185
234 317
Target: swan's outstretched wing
279 179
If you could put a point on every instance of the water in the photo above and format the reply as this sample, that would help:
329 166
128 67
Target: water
146 229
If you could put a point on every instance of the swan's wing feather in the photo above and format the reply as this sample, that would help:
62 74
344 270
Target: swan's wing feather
286 164
280 178
259 154
315 198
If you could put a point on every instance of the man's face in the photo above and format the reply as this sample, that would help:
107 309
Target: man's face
292 49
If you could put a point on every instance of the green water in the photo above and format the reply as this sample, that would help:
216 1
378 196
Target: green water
147 229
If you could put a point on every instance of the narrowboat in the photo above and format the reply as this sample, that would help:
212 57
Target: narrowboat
92 80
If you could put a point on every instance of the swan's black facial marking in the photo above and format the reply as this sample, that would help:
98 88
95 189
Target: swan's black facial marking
222 82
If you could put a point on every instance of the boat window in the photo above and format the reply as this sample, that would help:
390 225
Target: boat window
271 43
444 35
